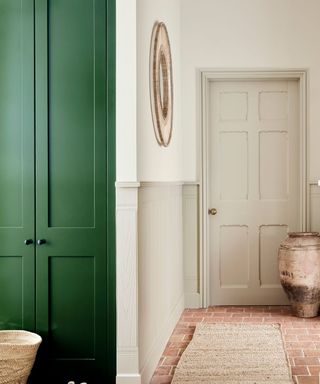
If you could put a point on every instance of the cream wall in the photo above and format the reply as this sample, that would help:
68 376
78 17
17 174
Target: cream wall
248 34
156 163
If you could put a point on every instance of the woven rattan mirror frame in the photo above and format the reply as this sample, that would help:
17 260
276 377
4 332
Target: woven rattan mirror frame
161 84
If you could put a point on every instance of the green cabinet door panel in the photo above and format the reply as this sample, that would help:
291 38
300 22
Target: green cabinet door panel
16 164
57 174
72 288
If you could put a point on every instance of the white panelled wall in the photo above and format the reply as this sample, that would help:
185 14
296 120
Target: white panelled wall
157 270
161 296
191 245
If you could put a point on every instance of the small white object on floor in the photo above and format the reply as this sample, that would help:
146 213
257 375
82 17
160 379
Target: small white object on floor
73 382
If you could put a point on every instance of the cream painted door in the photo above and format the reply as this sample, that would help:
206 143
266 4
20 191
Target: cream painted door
254 183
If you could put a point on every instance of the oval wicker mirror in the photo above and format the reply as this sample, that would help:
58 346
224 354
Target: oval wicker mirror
161 85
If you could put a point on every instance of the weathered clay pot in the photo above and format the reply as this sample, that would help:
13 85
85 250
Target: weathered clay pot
299 267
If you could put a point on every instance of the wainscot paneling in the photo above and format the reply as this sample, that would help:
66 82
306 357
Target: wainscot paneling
191 261
127 284
161 292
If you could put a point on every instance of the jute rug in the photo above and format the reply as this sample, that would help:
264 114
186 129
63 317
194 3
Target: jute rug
234 354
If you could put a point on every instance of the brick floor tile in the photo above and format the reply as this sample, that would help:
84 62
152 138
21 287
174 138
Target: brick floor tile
274 319
161 379
171 351
297 345
171 361
221 314
217 309
203 314
213 320
311 352
177 344
235 309
290 338
308 379
300 370
308 337
253 319
313 331
177 337
163 370
299 324
299 331
295 353
314 370
306 361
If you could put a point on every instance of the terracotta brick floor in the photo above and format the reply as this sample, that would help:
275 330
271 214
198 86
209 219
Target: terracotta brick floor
302 338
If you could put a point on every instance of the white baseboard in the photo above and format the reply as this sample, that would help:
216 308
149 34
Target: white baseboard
128 379
160 342
192 300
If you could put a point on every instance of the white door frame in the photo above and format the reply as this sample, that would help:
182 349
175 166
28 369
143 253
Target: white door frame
207 76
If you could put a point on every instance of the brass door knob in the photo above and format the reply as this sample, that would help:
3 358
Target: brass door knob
212 211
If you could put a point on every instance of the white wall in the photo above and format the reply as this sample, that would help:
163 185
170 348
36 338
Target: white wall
156 163
248 34
126 82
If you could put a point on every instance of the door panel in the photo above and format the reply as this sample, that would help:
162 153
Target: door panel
16 164
71 188
72 111
79 273
254 168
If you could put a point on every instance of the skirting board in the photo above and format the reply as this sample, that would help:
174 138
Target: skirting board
128 379
160 342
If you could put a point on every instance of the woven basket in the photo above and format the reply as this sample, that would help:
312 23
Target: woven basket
18 350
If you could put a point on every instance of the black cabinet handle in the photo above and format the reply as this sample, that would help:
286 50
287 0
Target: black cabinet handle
41 241
28 241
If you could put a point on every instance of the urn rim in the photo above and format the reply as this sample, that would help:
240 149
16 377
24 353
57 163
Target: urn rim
302 234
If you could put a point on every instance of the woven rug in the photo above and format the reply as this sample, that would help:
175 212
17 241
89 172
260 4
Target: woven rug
234 354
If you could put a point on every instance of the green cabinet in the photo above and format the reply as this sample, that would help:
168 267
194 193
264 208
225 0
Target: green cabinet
57 172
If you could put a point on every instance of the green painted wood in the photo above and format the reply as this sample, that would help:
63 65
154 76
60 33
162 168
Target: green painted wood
72 110
75 175
16 164
79 272
75 162
111 198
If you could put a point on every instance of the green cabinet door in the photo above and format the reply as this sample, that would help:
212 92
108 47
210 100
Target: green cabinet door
16 164
57 173
74 191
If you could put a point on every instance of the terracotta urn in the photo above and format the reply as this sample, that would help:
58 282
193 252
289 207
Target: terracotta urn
299 267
